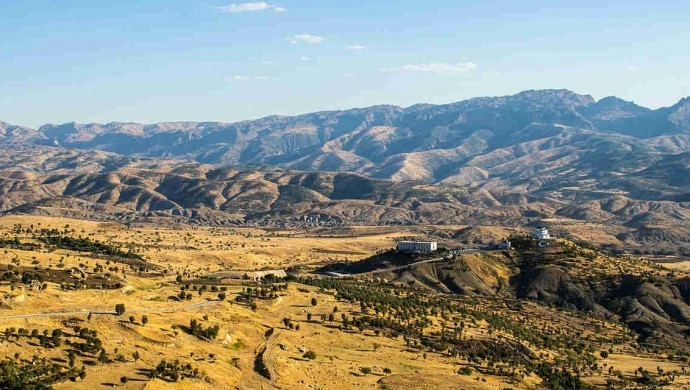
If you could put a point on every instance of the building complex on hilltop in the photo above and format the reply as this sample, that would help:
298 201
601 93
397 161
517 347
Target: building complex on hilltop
541 233
417 246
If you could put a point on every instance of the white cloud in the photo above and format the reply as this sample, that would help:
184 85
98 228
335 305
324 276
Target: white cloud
306 38
304 58
633 69
348 74
434 67
251 7
245 78
355 47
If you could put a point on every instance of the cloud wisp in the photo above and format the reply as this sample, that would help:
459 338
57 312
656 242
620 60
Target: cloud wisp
306 38
355 47
245 78
251 7
433 67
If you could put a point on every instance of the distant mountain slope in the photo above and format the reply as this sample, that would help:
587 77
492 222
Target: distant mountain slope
494 142
645 210
13 134
512 160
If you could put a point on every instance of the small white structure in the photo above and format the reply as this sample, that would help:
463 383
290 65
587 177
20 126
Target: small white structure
417 246
541 233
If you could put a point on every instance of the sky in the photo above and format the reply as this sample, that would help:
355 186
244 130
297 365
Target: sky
153 60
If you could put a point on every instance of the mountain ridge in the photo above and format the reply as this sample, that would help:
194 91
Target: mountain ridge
432 143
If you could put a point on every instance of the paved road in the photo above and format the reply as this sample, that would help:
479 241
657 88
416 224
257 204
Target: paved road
86 312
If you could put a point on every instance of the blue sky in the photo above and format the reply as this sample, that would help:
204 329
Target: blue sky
154 60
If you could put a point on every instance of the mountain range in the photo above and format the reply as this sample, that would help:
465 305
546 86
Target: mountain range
511 160
482 141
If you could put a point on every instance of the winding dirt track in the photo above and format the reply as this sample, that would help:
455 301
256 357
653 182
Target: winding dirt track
87 312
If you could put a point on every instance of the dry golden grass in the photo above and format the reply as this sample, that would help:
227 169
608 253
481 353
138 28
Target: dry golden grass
228 361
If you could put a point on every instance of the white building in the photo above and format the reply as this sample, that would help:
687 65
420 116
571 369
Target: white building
417 246
541 233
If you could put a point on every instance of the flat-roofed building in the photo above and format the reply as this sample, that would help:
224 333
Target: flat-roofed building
417 246
541 233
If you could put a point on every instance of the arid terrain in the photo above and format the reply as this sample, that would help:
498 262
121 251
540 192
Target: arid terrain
103 186
566 315
608 168
260 254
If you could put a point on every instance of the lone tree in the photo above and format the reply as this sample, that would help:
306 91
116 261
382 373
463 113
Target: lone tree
103 357
120 309
314 302
311 355
144 320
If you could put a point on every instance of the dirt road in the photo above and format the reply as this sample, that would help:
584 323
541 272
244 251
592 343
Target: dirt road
101 311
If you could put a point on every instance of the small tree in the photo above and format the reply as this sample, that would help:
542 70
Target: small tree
120 309
365 370
71 357
123 380
310 355
144 320
314 302
103 357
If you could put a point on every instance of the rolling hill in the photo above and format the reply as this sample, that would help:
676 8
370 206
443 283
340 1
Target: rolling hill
545 156
98 185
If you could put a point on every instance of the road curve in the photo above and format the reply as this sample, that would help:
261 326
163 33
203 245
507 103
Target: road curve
399 267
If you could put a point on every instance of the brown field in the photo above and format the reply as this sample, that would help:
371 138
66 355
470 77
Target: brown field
344 358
